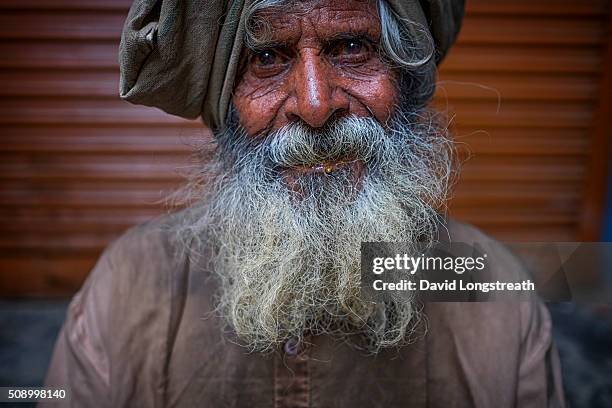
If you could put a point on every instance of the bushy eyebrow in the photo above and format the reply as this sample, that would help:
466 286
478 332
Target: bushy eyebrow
267 45
326 42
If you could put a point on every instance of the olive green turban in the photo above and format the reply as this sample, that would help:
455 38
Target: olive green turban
181 55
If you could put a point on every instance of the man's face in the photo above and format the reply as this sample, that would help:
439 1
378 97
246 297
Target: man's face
314 94
315 65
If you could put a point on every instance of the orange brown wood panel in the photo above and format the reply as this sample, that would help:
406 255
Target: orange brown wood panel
78 166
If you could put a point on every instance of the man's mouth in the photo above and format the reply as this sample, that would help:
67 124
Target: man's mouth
352 170
327 167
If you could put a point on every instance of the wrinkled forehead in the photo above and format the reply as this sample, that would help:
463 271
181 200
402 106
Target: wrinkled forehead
286 21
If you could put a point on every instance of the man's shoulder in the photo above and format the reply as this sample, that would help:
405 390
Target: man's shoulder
119 324
151 257
508 320
158 239
141 277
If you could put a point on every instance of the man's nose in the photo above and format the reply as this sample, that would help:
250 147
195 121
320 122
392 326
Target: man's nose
314 98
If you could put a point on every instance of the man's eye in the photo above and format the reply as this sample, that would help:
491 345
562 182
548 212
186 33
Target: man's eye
353 47
267 58
349 51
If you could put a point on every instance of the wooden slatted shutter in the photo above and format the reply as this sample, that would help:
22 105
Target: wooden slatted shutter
78 166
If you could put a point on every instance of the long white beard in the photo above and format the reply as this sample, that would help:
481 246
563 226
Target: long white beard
288 263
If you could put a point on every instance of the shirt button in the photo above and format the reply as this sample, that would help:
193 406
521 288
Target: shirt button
292 346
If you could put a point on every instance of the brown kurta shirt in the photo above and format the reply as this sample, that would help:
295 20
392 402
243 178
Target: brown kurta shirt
140 333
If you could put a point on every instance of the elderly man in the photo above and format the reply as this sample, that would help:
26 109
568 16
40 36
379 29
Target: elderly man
251 296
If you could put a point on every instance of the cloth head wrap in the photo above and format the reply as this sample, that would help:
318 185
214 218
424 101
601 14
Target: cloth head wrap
182 55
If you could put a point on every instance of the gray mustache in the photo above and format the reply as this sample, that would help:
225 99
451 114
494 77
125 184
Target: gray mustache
350 138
